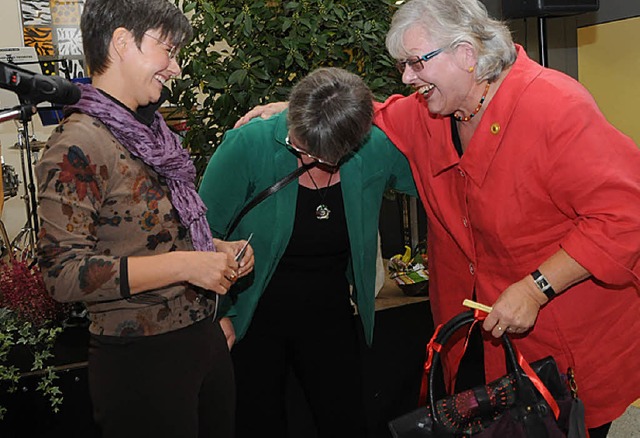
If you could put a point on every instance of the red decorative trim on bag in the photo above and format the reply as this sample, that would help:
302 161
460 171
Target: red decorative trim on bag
431 346
538 383
466 339
479 315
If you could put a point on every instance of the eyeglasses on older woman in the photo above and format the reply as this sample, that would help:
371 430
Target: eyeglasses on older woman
415 62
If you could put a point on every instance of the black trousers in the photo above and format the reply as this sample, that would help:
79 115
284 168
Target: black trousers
324 354
177 384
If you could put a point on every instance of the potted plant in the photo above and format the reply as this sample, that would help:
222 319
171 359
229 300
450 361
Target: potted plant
30 322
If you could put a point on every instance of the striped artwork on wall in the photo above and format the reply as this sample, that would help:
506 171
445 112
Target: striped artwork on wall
52 27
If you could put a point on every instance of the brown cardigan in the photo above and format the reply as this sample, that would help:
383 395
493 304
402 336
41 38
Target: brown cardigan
98 205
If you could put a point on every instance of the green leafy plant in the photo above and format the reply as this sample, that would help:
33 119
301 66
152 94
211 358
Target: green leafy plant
35 342
30 321
248 53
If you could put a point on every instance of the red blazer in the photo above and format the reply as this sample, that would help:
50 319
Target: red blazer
543 171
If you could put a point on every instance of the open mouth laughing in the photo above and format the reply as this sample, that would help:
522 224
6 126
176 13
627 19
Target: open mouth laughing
425 89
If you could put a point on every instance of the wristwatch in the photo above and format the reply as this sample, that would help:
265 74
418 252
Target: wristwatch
543 284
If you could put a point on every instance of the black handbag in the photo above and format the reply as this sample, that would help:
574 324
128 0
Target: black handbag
531 401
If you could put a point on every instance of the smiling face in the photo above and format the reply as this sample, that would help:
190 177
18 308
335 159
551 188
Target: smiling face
444 81
142 70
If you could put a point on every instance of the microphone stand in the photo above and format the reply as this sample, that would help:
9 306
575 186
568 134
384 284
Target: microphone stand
24 113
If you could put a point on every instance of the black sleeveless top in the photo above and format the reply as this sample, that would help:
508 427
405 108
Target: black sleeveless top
311 274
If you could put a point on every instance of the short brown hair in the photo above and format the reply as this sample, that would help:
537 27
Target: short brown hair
330 111
100 18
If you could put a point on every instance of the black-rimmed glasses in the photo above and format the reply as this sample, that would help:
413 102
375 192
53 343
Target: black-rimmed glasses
415 62
173 50
307 154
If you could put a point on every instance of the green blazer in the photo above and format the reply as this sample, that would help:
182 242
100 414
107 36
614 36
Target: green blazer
252 158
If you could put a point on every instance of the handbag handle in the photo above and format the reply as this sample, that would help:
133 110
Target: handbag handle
268 192
526 392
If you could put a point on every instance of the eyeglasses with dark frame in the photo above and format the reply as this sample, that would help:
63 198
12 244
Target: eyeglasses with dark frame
173 50
415 62
307 154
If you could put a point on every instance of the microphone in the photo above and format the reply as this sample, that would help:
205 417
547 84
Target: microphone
54 89
33 88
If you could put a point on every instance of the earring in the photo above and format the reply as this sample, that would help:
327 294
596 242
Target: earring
471 69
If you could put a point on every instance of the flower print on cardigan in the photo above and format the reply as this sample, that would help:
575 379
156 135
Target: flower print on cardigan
77 168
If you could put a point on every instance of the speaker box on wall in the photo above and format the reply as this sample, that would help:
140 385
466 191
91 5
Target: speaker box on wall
546 8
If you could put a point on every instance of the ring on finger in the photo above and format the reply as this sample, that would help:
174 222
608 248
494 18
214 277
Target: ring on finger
499 328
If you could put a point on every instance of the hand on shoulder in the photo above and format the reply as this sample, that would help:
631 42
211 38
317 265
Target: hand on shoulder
263 111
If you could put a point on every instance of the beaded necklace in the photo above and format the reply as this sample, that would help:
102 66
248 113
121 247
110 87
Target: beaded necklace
475 111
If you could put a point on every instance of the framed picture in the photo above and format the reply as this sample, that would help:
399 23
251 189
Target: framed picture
52 28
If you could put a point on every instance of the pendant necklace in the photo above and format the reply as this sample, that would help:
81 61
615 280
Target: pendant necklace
322 211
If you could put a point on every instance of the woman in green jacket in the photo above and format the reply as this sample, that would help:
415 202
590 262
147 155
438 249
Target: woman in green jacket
315 245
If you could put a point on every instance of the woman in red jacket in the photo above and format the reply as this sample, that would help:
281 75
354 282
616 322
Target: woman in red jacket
531 196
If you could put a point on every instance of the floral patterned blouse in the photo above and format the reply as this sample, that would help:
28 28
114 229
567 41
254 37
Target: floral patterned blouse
99 205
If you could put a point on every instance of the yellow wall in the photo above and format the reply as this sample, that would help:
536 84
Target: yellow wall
609 66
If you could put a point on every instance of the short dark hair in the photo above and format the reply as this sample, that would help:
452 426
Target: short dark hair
100 18
330 111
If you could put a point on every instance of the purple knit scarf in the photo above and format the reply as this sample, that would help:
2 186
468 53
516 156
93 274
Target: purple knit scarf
160 149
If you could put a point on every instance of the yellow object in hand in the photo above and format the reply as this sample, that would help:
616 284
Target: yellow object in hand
477 306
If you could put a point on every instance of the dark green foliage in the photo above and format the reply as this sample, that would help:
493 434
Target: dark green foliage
246 53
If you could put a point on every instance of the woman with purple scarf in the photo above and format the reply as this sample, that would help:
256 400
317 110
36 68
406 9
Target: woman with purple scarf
124 231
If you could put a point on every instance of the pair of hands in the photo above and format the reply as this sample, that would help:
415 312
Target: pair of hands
218 271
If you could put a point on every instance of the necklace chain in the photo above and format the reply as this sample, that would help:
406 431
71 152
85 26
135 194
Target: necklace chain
322 211
478 108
